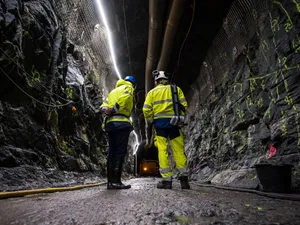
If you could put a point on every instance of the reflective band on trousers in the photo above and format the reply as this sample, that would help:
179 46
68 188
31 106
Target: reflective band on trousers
162 101
167 178
182 170
165 170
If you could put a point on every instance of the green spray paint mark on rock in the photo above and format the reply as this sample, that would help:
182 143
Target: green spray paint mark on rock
289 24
284 130
254 14
69 93
35 74
288 99
296 44
283 126
25 34
253 85
240 113
297 5
268 113
249 100
260 102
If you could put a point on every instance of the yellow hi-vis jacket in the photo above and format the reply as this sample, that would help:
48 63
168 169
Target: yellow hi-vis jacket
159 104
123 96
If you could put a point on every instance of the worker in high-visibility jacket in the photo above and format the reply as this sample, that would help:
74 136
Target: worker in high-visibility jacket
117 109
158 111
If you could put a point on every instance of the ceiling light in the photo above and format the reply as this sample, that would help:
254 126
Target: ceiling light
103 17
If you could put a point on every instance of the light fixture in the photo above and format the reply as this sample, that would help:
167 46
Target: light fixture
136 140
111 48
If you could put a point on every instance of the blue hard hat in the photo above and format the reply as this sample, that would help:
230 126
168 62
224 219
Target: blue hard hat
131 79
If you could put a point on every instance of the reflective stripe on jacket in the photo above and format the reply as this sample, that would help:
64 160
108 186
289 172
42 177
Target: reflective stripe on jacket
123 96
159 104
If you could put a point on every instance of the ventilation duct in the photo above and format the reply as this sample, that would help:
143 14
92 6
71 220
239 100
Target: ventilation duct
156 23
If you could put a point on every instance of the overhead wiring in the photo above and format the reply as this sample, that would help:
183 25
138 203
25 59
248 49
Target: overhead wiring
50 92
184 41
46 104
126 33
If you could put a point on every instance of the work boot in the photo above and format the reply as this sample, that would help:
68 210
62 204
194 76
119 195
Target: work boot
110 172
164 184
117 184
184 182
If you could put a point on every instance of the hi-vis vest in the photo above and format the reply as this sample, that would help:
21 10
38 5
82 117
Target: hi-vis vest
123 96
159 103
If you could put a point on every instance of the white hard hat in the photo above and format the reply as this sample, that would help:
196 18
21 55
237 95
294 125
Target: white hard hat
159 75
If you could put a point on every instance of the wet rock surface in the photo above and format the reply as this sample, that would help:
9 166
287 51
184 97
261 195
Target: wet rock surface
145 204
247 96
50 89
30 177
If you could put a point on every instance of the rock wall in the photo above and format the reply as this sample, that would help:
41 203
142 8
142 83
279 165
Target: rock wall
247 96
51 85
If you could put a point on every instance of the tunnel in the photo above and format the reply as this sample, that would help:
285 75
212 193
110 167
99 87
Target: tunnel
146 161
237 63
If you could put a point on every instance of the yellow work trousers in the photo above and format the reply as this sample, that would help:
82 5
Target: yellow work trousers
177 145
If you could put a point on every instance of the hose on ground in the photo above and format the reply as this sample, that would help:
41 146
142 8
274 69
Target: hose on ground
10 194
283 196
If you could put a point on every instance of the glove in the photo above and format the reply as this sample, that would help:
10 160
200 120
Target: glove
177 121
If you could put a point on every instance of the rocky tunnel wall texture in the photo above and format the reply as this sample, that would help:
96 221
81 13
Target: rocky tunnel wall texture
55 70
84 29
247 95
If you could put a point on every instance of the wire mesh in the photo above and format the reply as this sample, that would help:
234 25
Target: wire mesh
85 29
239 26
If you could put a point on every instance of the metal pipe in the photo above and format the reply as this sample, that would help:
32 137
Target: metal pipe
169 37
156 22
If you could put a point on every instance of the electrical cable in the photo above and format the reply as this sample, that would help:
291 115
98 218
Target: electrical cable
11 194
252 191
50 92
92 136
128 49
184 41
54 106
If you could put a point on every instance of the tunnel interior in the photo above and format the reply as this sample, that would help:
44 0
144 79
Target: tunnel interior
146 161
237 62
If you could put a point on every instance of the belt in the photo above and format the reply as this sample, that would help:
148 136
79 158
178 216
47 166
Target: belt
117 115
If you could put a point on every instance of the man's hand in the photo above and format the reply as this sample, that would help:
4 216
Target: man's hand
149 140
149 143
107 111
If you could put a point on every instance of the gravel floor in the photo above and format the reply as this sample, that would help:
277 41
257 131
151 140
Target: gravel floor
144 204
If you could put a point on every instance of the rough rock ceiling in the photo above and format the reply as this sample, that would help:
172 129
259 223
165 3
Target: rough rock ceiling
131 49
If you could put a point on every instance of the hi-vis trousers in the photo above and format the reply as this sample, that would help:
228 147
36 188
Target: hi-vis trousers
177 143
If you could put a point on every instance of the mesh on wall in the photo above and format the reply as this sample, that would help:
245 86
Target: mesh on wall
84 28
239 26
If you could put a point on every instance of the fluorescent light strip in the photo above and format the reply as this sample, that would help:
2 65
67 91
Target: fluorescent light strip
103 17
136 145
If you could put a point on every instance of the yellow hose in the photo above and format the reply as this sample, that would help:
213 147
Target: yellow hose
11 194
